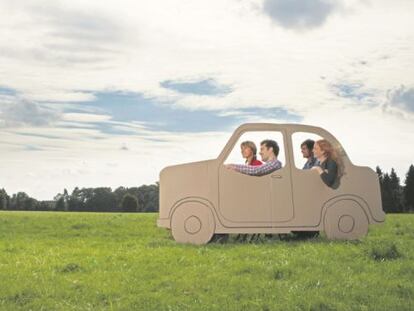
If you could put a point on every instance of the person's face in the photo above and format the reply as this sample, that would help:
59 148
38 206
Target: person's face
305 151
265 152
317 151
246 152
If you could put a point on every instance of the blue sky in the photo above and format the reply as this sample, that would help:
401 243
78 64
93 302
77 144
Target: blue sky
102 94
202 87
164 116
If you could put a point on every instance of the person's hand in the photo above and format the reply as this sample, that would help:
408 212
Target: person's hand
318 169
229 166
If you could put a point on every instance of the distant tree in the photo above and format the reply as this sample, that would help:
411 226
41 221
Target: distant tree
101 200
409 189
65 197
60 204
384 185
391 191
75 201
29 204
86 196
21 201
4 199
396 192
380 174
46 205
151 195
129 203
119 194
147 197
386 194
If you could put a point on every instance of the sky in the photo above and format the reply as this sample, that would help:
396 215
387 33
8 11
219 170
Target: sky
107 93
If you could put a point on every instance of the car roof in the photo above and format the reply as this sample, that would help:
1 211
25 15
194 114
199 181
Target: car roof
293 127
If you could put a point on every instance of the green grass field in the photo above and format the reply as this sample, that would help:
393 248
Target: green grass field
87 261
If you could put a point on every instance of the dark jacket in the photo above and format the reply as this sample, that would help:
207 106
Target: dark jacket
331 175
312 161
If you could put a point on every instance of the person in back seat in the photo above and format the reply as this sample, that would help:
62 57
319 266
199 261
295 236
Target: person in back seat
330 164
307 151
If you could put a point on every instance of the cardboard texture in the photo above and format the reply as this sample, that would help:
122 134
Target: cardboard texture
200 199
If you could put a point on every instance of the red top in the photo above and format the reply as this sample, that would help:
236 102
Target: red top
256 162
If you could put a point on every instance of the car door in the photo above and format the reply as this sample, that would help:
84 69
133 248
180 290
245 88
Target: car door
309 192
256 201
281 195
244 200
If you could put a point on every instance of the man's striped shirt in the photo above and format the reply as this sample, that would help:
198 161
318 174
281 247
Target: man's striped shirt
260 170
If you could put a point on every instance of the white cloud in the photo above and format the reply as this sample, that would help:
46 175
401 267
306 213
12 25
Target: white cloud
85 117
19 113
300 14
401 98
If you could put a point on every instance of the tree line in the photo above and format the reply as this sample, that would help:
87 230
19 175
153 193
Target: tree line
100 199
395 197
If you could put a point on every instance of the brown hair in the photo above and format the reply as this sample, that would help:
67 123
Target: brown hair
269 143
252 146
331 153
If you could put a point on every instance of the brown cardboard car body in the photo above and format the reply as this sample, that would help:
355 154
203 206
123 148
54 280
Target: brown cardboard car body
200 199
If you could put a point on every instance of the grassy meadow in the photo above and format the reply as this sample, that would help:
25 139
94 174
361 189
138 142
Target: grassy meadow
97 261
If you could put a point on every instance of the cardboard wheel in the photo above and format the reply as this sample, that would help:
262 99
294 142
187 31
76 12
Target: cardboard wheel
345 220
192 223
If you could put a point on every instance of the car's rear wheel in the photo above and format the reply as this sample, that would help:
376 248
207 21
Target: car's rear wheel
192 223
345 220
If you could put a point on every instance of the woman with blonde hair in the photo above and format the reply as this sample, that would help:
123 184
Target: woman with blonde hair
249 151
330 166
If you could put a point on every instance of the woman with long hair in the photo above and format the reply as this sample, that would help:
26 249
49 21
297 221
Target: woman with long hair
249 151
330 166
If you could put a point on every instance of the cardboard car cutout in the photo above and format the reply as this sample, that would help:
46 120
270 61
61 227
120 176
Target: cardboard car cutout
201 199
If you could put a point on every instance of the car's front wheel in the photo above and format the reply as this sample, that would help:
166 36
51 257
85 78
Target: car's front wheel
192 223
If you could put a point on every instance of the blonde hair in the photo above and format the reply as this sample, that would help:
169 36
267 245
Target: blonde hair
331 153
251 145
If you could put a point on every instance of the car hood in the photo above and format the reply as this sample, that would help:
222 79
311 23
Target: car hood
182 181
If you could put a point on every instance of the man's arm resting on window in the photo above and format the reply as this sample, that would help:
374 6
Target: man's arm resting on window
251 170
